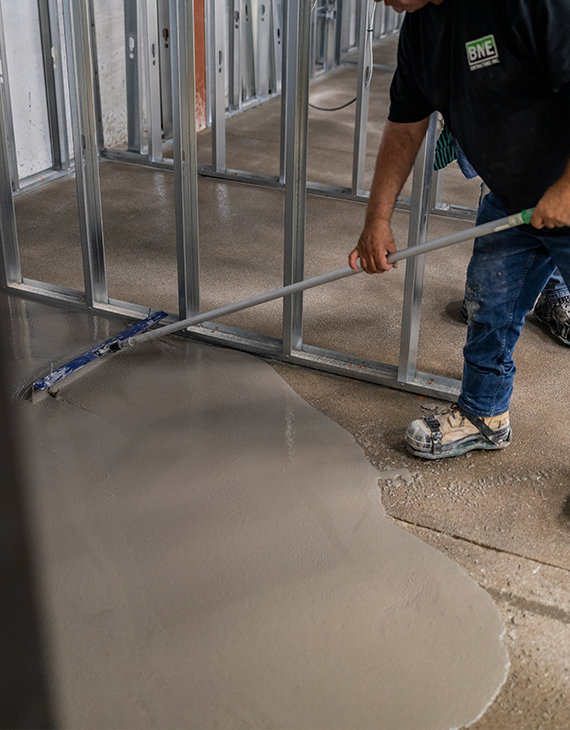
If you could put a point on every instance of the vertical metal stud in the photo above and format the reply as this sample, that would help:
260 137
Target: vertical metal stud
60 81
383 20
130 9
277 46
262 44
53 76
436 205
165 63
413 288
283 127
185 155
297 97
10 270
8 125
247 52
80 72
350 15
313 48
217 95
235 55
209 44
362 100
340 6
96 85
152 72
331 34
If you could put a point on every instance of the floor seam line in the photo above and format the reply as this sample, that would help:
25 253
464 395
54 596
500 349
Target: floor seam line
535 607
478 544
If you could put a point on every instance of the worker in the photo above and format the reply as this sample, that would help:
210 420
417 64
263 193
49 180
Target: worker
499 73
552 309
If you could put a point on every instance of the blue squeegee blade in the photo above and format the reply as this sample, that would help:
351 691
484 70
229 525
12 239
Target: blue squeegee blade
102 349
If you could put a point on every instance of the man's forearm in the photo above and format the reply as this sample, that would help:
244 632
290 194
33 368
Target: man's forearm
398 150
566 175
553 209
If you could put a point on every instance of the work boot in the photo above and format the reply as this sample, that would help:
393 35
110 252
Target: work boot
554 315
454 432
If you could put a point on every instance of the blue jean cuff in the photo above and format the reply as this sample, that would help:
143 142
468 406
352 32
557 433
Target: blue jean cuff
481 414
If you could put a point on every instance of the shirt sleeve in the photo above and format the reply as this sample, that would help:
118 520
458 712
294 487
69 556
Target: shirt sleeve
551 27
407 102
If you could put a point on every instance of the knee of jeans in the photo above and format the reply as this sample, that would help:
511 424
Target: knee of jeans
472 303
472 308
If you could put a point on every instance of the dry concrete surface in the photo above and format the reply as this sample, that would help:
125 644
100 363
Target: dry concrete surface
503 517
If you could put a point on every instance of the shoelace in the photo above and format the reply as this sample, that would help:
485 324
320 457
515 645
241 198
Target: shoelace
455 413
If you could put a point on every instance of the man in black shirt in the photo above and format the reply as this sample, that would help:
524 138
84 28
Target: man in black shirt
499 72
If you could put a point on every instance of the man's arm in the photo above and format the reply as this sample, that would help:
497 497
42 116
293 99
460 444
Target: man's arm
398 150
553 209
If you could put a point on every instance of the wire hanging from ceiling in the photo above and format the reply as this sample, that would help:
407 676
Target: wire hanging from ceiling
369 51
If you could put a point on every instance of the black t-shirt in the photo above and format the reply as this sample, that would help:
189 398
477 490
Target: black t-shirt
499 72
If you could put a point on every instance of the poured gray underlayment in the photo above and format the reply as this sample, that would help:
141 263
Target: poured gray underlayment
215 554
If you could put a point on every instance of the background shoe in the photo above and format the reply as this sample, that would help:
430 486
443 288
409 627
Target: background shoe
453 432
554 315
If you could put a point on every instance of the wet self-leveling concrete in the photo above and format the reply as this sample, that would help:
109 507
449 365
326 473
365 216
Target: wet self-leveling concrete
214 552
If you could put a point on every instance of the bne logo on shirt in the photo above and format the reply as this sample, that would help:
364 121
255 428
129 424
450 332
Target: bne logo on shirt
482 52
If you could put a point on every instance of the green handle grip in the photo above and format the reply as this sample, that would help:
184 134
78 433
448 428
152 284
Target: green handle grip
526 215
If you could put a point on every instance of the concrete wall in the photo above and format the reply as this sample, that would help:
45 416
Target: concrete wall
111 54
26 78
110 29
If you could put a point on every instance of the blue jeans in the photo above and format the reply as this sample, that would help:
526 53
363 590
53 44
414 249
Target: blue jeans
506 274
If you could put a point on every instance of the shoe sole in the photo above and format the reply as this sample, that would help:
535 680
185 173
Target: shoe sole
469 443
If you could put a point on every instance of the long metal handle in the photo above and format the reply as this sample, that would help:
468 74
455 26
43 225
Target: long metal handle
501 224
243 304
481 230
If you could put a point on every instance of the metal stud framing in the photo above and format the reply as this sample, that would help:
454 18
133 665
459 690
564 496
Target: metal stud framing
363 86
245 77
262 16
54 83
8 124
217 79
417 233
10 270
80 72
295 34
132 53
151 65
185 154
97 109
296 123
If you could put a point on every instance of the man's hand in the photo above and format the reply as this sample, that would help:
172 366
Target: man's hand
375 243
553 209
398 150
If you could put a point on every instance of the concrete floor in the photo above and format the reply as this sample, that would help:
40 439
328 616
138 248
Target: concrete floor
504 517
213 553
